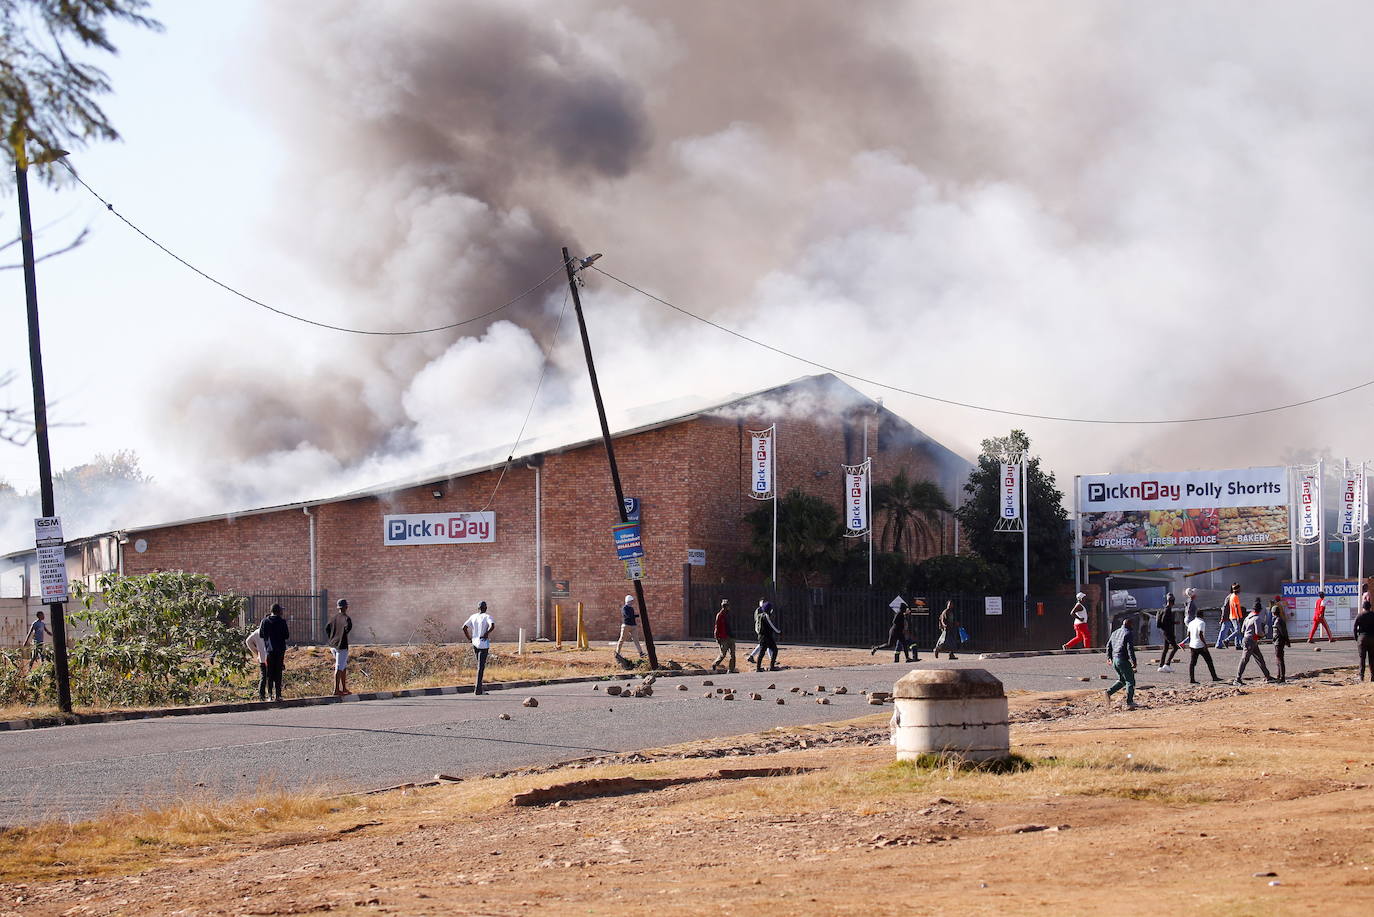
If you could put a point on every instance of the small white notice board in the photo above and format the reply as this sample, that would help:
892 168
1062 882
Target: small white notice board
52 558
992 604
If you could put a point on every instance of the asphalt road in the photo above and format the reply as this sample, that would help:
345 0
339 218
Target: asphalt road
80 771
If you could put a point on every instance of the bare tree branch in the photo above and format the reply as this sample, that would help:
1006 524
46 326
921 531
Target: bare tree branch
75 243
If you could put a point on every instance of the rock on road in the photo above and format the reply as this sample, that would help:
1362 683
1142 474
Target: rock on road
80 771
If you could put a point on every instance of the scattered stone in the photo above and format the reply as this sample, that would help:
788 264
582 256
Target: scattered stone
755 696
727 697
1316 649
1274 882
822 700
1085 678
650 679
1265 875
820 689
795 690
682 687
1103 677
772 687
781 701
531 702
643 691
615 690
709 694
596 687
504 716
707 683
841 690
722 691
875 701
1021 829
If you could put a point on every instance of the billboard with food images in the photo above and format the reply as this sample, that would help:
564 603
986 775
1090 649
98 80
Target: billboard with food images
1210 510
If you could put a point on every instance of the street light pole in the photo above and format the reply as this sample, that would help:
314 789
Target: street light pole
40 407
610 448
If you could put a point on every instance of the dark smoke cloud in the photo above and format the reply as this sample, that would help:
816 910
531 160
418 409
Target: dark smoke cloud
1097 210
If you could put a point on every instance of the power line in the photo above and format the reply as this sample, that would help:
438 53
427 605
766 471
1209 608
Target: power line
300 318
964 404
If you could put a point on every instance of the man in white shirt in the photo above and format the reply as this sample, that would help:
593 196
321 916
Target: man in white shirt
478 629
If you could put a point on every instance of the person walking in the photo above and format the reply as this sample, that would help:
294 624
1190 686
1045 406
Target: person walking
336 634
1319 619
1079 616
477 628
275 632
1232 612
1281 641
1197 648
629 626
1275 612
259 650
1165 623
1364 640
1266 623
1190 606
37 635
949 631
724 638
896 637
767 632
1250 630
1121 654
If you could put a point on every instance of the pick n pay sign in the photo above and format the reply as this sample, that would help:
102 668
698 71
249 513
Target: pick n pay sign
439 528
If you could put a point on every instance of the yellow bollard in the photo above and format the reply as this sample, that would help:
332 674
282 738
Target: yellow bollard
557 627
581 630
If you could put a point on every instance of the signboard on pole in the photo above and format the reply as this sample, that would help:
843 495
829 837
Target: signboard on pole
634 568
628 544
1309 506
631 509
856 499
52 559
1009 491
761 463
1351 520
1235 508
992 604
696 557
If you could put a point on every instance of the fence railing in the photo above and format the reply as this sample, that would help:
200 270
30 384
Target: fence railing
305 614
860 617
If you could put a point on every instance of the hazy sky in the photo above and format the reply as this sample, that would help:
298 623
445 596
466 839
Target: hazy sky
1101 210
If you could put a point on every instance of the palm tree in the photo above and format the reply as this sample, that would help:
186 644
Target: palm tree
910 510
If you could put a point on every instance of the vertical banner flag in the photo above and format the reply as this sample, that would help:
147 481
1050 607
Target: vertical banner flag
1009 491
761 463
856 499
1351 522
1309 505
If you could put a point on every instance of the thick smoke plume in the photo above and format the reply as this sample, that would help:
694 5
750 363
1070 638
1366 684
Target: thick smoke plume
1100 210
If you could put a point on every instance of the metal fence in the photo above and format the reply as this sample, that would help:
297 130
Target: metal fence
860 617
306 615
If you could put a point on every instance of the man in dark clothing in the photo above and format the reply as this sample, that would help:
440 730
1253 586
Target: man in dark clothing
724 638
766 631
274 633
896 638
1279 621
1121 654
1364 640
1165 623
336 633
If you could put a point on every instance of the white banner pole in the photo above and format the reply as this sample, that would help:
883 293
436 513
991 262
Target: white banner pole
1364 513
1321 526
773 477
1077 540
1025 546
1345 539
1292 526
868 501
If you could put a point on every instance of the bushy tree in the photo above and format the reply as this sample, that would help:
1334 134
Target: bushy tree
811 542
157 638
47 93
964 573
1051 553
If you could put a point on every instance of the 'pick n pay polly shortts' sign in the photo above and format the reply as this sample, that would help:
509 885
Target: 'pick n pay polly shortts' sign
439 528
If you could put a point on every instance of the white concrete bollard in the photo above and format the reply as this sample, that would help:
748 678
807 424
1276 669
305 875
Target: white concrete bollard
956 711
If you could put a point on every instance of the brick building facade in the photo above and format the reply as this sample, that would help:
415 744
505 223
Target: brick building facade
554 511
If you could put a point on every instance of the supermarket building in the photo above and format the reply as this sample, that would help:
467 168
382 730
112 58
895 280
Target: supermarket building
413 557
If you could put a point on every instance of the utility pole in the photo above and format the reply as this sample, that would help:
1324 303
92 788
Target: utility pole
40 404
606 438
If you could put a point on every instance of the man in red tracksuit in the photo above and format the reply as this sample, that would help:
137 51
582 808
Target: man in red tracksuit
1319 619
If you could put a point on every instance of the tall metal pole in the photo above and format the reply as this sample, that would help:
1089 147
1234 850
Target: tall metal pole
1345 539
773 460
1025 546
1321 524
40 418
1363 496
610 449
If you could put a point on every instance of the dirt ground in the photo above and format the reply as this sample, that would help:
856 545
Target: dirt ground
1226 802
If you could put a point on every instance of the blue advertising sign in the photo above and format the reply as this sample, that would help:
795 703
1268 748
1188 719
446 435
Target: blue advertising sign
627 541
631 509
